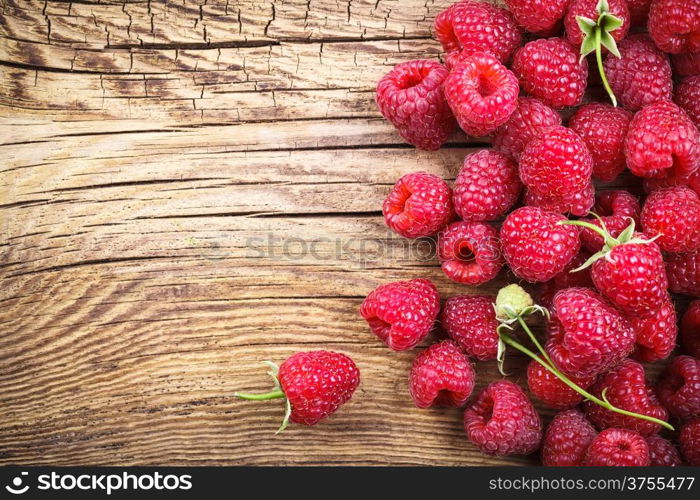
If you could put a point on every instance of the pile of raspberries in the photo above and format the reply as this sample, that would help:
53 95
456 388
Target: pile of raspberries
602 262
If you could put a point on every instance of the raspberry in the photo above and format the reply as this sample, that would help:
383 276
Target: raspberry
535 246
675 25
541 18
482 93
617 448
641 76
469 252
420 204
693 182
441 376
687 96
567 279
550 69
470 320
410 96
684 273
470 27
690 442
502 421
589 9
663 453
687 64
615 208
639 11
586 335
566 440
603 129
690 329
674 215
679 389
627 389
487 186
531 118
662 142
577 203
402 313
549 389
656 333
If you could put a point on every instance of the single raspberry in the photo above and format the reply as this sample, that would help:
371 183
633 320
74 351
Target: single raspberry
674 215
687 96
567 279
662 142
679 389
586 335
686 64
549 388
470 26
618 448
615 208
420 204
639 11
566 440
502 421
535 245
550 69
470 320
663 453
641 76
656 333
603 129
684 273
577 203
402 313
314 383
535 16
410 96
441 376
690 329
690 442
627 388
675 25
486 187
469 252
530 119
589 9
482 93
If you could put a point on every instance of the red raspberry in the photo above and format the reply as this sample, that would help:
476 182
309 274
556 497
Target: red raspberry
618 448
674 215
482 94
675 25
627 389
641 76
566 440
549 389
410 96
502 421
693 182
589 9
441 376
656 333
679 389
663 453
487 186
402 313
469 252
687 96
531 118
470 27
586 334
577 203
535 246
687 64
603 129
470 320
541 18
550 69
615 208
690 329
690 442
420 204
567 279
662 142
684 273
639 11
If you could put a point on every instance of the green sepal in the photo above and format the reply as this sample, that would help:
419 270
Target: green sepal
501 356
607 41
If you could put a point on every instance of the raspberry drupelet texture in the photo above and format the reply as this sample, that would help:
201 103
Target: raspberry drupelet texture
469 252
535 245
675 25
549 389
686 64
627 388
673 214
402 313
656 333
482 93
639 11
576 203
603 129
618 448
663 453
441 375
502 421
689 439
567 279
411 97
690 329
550 70
642 75
683 271
487 186
687 96
470 320
679 389
589 9
566 440
615 208
586 335
535 16
419 204
693 182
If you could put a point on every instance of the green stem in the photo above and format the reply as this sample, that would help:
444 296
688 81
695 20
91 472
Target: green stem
261 397
601 70
608 240
534 340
